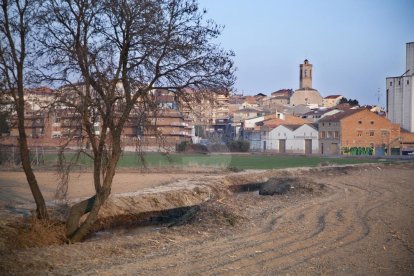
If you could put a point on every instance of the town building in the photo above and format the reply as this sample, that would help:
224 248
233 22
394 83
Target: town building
306 94
257 129
332 100
358 131
163 125
317 114
400 94
299 138
208 110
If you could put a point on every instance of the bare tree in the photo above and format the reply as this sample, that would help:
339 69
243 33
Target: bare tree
17 18
111 55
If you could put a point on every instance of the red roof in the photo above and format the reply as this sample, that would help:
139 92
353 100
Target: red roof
333 96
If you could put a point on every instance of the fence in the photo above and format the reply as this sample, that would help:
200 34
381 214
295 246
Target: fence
10 155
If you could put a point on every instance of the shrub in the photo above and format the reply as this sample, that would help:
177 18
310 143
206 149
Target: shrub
183 146
239 146
187 146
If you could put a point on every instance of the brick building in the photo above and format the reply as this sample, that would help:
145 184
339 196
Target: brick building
358 131
165 126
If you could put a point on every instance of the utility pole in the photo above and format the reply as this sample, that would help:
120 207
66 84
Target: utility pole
379 96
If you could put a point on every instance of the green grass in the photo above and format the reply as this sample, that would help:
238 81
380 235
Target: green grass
256 161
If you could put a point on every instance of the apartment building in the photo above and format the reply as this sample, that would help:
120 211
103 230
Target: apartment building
53 127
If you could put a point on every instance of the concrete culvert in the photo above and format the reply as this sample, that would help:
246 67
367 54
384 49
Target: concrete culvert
277 186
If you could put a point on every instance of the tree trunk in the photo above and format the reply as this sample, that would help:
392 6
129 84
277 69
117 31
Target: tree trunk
41 210
75 214
76 233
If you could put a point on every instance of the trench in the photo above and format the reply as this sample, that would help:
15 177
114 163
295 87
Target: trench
245 188
143 222
153 221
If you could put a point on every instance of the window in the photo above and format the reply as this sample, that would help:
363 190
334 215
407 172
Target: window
360 122
322 135
57 119
390 83
399 83
371 133
329 134
408 82
336 134
384 133
372 122
359 133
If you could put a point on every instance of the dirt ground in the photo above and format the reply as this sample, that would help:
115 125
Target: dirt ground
346 221
15 191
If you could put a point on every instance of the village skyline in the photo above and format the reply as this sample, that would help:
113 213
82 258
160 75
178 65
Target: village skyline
353 45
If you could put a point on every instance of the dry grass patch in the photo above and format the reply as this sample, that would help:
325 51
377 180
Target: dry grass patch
31 232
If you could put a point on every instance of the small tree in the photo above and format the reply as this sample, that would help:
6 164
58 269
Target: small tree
17 19
111 55
351 102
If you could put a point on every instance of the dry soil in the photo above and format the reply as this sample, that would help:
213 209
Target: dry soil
347 221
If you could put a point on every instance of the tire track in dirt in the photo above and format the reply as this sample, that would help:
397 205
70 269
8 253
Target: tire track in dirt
247 244
355 232
289 237
280 248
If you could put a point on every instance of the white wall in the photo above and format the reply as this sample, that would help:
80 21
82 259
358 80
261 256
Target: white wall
250 123
400 101
295 140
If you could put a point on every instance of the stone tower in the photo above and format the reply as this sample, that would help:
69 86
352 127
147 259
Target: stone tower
305 79
306 95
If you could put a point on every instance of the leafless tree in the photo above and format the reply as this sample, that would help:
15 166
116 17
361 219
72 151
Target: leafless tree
17 18
111 55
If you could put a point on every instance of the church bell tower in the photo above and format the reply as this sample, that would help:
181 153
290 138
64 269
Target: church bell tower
305 79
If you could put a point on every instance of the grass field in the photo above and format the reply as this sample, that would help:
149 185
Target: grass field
237 161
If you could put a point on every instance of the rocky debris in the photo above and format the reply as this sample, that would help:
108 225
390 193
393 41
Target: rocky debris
277 186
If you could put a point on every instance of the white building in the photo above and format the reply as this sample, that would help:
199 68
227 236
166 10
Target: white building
293 139
400 98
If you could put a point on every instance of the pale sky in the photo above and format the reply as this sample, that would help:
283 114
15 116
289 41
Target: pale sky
353 44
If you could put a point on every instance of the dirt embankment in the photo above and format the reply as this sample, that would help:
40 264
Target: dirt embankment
334 221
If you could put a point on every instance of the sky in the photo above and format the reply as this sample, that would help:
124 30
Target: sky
353 44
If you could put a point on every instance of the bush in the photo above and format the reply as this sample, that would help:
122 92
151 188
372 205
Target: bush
187 146
183 146
239 146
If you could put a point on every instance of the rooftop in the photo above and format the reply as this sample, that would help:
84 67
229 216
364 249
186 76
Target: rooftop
339 116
